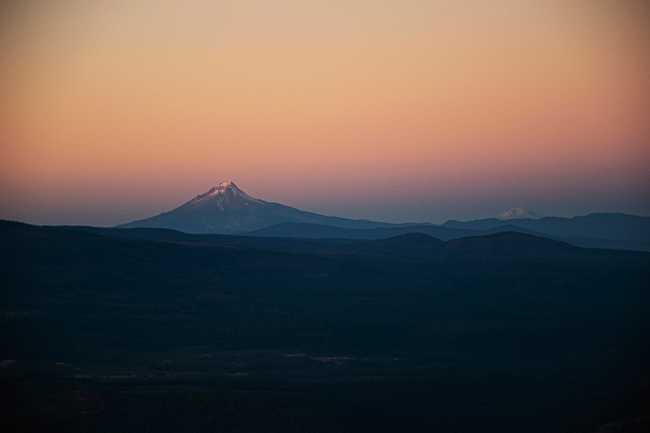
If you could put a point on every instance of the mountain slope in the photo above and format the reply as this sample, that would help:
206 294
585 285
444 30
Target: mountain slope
225 208
511 244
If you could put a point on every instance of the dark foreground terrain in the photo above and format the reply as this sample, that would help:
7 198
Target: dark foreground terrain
137 330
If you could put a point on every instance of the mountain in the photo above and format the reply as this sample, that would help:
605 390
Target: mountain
598 230
225 209
517 213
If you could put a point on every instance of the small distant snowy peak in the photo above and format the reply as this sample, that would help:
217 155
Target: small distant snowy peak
517 213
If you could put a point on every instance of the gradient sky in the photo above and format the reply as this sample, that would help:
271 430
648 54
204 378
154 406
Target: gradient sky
393 110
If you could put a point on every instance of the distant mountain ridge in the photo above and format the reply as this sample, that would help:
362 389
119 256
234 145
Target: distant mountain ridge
596 229
609 231
227 209
411 245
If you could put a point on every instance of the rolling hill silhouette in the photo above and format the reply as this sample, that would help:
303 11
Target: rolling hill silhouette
463 332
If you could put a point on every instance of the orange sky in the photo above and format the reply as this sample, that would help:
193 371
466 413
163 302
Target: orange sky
396 110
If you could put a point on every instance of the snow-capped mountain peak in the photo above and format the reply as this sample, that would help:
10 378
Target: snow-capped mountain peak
224 186
517 213
225 208
224 190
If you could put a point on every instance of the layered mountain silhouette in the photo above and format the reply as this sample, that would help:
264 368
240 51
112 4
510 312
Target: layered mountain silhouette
601 230
217 326
626 232
319 231
73 240
225 208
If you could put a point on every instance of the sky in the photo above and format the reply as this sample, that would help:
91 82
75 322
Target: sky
404 110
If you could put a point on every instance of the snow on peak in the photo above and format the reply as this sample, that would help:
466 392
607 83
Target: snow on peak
517 213
226 190
224 186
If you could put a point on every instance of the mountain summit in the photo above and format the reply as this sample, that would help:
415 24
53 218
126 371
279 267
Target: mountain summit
225 195
227 186
227 209
517 213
